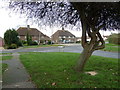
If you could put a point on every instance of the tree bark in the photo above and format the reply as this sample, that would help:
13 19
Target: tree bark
87 52
88 30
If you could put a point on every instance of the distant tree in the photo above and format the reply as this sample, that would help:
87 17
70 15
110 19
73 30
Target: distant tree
29 39
94 16
114 39
7 37
11 37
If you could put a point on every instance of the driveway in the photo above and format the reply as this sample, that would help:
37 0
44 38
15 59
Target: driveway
68 48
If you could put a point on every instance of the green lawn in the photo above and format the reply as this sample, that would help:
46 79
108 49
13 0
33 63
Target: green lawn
5 57
3 67
55 70
38 46
5 53
112 48
110 44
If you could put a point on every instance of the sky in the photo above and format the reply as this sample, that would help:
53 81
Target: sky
15 20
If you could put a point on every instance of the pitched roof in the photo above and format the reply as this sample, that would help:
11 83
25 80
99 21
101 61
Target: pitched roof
63 33
31 31
46 36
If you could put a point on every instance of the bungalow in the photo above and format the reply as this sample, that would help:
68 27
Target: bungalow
33 32
63 36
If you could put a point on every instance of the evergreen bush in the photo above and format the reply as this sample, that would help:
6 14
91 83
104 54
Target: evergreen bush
114 39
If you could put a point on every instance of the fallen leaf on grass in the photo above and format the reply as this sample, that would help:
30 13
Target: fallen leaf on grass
93 73
64 70
6 69
53 84
17 85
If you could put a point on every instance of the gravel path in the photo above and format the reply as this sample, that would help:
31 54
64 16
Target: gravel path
16 76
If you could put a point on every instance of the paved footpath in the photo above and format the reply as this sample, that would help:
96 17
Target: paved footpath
16 76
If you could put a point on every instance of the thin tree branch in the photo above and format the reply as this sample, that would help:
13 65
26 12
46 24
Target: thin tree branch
102 41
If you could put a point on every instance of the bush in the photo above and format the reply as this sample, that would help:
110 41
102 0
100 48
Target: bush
6 46
34 43
114 39
24 42
41 41
20 43
49 42
12 46
78 41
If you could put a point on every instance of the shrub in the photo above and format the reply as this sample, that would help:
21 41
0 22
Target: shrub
24 42
12 46
114 39
41 41
20 43
49 42
6 46
34 43
78 41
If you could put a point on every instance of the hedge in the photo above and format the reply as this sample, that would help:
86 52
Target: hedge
114 39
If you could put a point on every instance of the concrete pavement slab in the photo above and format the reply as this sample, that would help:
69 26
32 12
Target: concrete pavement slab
16 76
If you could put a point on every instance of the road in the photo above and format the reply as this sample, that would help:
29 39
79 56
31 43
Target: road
68 48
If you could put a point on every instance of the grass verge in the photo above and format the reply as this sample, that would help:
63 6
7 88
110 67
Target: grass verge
112 48
38 46
3 67
55 70
5 57
5 53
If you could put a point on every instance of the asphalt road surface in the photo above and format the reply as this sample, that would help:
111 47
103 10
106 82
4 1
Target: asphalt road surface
68 48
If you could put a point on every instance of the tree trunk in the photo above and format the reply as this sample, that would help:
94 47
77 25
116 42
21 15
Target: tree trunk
83 59
90 30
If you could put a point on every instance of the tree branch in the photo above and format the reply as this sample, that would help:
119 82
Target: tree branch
102 41
101 26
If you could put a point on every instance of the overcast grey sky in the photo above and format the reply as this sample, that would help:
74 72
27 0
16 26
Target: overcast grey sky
12 20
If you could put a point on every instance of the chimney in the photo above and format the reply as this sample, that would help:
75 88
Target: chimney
28 26
62 28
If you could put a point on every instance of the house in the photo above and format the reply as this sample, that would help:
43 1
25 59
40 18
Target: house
1 42
36 35
63 36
